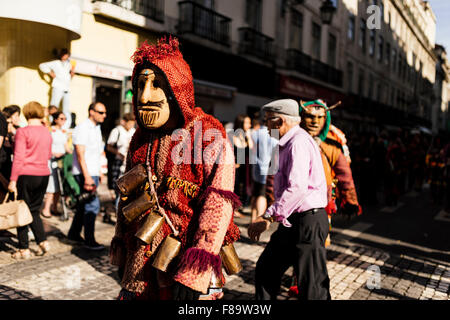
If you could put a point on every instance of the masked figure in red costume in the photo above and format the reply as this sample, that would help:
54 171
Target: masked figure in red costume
191 163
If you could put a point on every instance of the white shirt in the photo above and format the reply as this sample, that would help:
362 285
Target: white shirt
62 73
122 137
59 140
90 136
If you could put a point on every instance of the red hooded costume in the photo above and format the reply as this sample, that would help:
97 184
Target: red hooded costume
203 218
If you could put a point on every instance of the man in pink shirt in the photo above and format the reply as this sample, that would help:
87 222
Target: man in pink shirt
300 198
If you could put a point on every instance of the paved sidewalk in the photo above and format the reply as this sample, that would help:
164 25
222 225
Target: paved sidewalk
357 272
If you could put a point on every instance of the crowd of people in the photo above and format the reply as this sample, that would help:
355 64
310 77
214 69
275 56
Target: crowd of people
393 162
38 158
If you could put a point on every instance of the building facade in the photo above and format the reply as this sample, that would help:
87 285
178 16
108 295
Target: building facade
440 117
243 53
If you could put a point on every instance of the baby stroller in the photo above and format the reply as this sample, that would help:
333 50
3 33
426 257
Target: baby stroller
68 186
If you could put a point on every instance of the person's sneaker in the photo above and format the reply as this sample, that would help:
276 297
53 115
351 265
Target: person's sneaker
94 246
75 239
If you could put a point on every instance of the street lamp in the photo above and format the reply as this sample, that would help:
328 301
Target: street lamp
326 11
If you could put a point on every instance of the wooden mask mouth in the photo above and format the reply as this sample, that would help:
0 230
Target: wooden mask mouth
149 117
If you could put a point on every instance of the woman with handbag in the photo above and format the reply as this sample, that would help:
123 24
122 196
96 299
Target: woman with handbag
29 175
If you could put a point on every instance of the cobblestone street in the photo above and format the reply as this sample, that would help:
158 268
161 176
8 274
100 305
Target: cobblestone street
74 273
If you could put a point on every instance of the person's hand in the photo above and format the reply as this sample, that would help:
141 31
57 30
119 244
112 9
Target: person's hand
89 183
120 156
52 74
102 178
256 228
12 187
214 296
181 292
350 210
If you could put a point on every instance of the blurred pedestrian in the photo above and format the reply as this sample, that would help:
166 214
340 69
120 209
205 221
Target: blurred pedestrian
3 136
88 143
60 146
242 142
12 115
436 167
51 112
61 71
300 199
117 146
394 157
368 181
29 175
261 155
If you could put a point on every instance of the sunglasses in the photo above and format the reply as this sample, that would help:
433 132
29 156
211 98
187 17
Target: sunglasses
62 118
100 112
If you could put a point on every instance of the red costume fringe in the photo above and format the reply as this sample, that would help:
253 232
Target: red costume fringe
224 193
200 260
150 52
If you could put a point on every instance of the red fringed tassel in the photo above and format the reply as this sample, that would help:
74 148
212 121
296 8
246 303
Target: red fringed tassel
233 197
200 259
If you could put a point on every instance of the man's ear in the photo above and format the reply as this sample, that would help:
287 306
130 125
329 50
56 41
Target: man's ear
279 122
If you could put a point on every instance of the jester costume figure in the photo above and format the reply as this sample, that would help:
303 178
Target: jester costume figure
316 120
191 163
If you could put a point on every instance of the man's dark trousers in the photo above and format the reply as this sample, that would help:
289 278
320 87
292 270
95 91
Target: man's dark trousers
85 215
301 246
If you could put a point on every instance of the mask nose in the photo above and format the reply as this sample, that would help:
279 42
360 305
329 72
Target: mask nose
150 93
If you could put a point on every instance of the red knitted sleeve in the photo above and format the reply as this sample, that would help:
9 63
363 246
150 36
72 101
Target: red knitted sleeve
215 217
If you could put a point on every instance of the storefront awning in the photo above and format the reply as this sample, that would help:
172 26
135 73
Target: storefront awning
65 14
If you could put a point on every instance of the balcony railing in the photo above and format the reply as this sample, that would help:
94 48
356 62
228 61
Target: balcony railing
256 44
152 9
304 64
203 22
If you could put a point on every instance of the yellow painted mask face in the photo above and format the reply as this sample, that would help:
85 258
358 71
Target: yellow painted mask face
313 120
152 99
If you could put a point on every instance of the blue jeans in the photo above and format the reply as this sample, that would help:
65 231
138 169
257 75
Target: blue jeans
85 214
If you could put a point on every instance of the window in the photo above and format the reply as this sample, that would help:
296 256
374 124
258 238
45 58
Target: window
382 10
362 35
399 69
380 48
379 92
253 14
370 93
405 68
372 43
351 28
388 53
295 36
316 39
332 50
350 77
394 59
393 96
361 82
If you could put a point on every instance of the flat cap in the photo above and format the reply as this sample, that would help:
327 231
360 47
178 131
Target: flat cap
288 107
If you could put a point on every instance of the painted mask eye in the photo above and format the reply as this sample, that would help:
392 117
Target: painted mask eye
141 84
156 83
